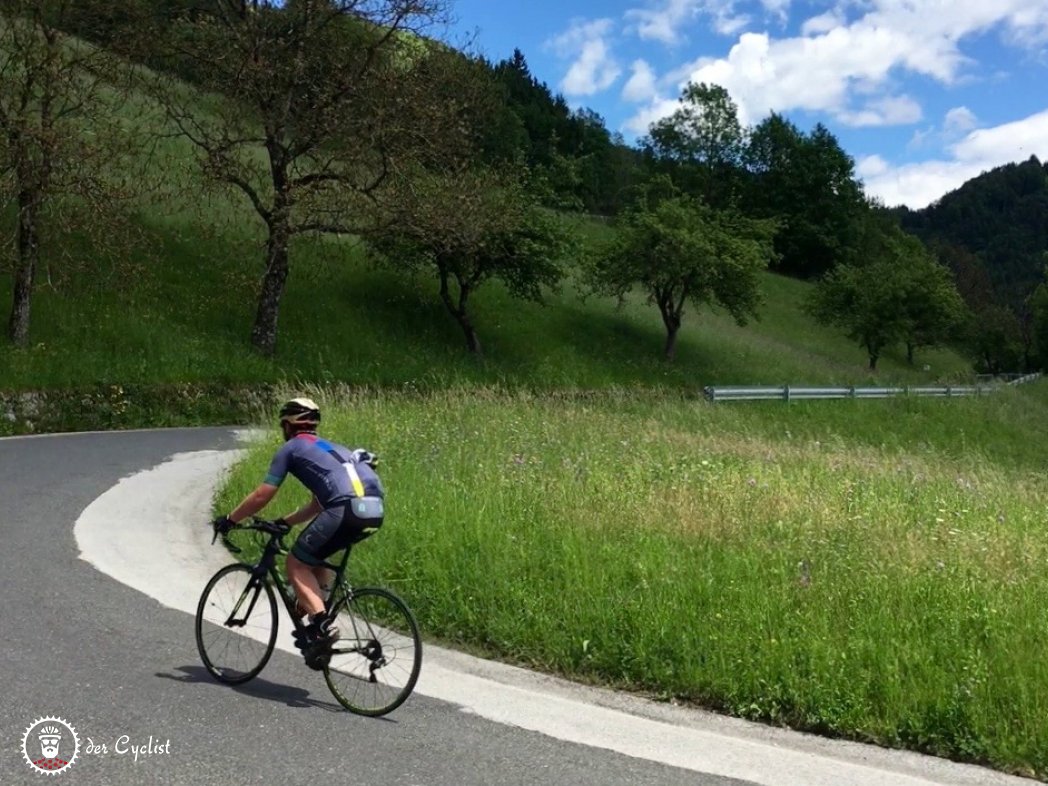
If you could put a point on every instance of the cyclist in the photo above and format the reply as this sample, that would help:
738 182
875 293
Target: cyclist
347 506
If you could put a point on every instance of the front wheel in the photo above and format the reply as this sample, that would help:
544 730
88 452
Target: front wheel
236 624
376 660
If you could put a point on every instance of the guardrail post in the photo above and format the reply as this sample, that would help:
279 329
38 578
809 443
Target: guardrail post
786 395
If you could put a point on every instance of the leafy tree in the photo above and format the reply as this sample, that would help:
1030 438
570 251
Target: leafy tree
807 181
470 226
703 136
864 301
993 339
999 217
896 291
932 308
59 136
1039 309
681 251
324 100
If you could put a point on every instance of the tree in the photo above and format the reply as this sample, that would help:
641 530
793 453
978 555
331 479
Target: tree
703 135
470 226
322 102
807 181
993 339
895 291
59 136
863 300
932 308
681 251
1039 309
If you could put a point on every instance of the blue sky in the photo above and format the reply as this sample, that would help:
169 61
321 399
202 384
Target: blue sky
923 94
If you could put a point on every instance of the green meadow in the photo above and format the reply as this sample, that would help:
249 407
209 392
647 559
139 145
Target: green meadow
871 570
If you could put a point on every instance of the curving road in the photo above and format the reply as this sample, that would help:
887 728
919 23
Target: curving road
102 563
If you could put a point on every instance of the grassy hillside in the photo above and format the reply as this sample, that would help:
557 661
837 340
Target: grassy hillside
184 310
867 569
179 307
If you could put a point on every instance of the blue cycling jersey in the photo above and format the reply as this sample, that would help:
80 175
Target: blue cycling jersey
329 470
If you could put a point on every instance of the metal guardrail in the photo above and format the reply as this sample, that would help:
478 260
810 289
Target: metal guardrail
792 393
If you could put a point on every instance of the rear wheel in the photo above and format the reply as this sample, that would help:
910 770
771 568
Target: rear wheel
236 624
376 660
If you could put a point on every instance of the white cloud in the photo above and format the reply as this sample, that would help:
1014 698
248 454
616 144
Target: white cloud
780 9
919 184
656 109
835 59
666 20
663 24
887 111
959 120
871 166
822 23
594 69
641 85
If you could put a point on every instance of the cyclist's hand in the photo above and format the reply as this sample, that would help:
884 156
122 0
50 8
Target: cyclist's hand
222 525
281 523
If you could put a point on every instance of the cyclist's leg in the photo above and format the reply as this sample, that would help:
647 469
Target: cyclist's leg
333 530
314 545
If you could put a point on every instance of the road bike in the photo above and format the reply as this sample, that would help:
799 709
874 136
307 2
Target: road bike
374 663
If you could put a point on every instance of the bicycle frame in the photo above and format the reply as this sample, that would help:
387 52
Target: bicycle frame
266 567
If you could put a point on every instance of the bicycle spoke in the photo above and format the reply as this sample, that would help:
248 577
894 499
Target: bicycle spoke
236 652
376 662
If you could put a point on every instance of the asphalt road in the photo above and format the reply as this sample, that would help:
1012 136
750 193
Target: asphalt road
117 665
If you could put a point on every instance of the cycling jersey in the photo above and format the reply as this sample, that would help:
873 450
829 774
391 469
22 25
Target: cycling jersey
327 469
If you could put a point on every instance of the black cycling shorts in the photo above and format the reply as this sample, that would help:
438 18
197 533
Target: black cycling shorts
338 527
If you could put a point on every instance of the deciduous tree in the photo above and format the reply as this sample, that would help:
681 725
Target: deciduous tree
894 291
703 136
471 226
321 102
60 137
808 182
680 251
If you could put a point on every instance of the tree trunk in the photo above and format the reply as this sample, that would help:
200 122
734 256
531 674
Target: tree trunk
472 339
671 318
874 356
28 257
671 342
458 311
264 331
909 353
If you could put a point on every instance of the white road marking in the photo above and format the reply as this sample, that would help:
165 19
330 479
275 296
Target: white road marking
149 532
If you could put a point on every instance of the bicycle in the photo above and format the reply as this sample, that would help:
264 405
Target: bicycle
374 663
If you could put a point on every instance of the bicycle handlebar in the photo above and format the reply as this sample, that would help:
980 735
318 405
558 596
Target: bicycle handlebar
259 525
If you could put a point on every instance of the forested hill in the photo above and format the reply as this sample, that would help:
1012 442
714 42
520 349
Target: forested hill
997 221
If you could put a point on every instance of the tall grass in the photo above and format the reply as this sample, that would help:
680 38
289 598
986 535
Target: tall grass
865 578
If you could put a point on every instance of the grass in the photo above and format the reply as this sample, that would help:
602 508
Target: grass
842 567
185 312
